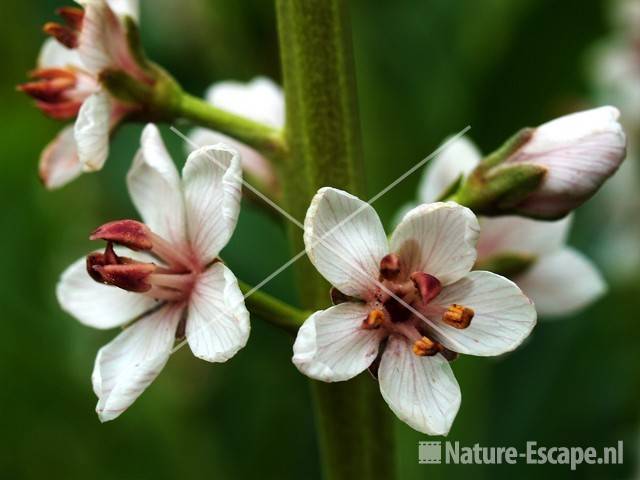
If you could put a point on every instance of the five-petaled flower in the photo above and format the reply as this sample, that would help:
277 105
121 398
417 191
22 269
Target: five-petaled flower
533 253
66 85
164 275
260 100
408 305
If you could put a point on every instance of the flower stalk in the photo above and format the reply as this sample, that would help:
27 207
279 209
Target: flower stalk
323 136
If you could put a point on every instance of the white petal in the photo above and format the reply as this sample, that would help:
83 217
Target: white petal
439 239
55 55
580 152
562 283
155 188
260 99
129 8
421 391
127 365
97 305
344 240
252 162
59 160
91 131
332 346
458 158
212 182
94 41
511 234
218 321
503 318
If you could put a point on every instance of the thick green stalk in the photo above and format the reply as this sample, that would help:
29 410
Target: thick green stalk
323 137
272 310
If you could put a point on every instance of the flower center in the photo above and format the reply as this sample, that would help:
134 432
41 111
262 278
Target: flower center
172 281
406 304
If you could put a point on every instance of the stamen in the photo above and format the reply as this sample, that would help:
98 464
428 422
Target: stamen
374 320
72 16
128 233
428 286
458 316
425 347
67 36
132 277
174 281
390 267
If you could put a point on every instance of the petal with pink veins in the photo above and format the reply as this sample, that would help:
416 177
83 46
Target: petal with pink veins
55 55
91 131
59 160
421 391
503 315
97 305
128 364
212 183
155 188
562 283
438 239
345 241
332 346
218 321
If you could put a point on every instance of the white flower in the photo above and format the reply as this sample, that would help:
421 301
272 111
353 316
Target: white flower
579 151
413 304
260 100
172 283
66 85
560 279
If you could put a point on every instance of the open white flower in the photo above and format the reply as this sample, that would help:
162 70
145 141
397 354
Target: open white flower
260 100
66 85
165 275
411 304
558 278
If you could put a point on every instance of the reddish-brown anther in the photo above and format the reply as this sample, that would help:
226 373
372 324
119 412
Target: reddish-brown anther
72 16
390 266
128 233
65 35
49 84
427 285
131 276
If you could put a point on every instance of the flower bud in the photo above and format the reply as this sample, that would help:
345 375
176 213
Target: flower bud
548 171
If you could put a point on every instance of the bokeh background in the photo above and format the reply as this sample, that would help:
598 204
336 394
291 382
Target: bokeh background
426 69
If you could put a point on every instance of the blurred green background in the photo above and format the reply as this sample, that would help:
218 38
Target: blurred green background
426 69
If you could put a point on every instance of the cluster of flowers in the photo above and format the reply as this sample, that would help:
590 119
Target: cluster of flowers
403 307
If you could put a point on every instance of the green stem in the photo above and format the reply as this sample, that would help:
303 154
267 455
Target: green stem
272 310
263 138
323 136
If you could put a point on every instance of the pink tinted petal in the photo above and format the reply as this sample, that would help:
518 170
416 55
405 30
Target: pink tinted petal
439 239
421 391
503 315
331 345
97 305
55 55
562 283
59 160
155 188
218 321
127 365
511 234
212 183
458 158
344 240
